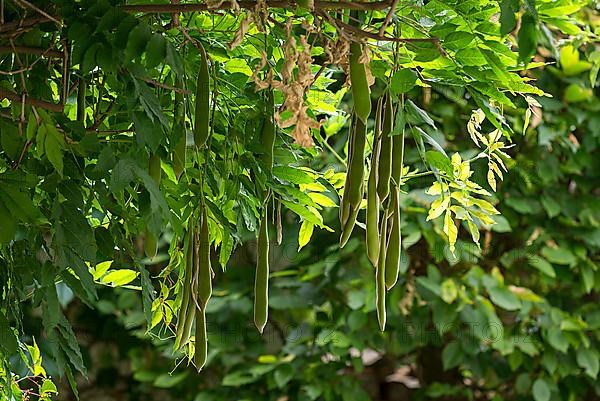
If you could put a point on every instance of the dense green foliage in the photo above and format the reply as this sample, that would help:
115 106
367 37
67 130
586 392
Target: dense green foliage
487 305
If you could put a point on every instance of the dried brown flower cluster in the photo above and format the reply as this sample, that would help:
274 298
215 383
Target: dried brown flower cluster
295 80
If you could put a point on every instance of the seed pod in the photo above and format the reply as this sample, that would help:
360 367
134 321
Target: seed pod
204 268
372 197
150 244
154 169
361 94
201 351
380 277
185 317
354 186
394 245
268 134
202 113
178 135
349 226
397 155
261 280
204 281
385 153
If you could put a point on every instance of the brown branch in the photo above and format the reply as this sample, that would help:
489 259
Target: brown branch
388 17
31 50
250 4
14 97
23 23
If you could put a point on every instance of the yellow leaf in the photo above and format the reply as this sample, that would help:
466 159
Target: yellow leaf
438 207
306 232
450 230
321 199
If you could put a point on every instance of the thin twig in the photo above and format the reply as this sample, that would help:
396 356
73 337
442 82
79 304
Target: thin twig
14 97
26 4
388 17
31 50
159 84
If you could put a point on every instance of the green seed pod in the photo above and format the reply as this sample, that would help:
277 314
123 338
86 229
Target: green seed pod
385 153
354 186
178 135
349 225
202 112
397 156
154 169
380 277
204 268
201 350
268 134
361 94
356 168
261 280
372 196
185 315
179 155
150 244
394 245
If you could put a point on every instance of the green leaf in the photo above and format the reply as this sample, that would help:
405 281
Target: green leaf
542 265
560 256
449 291
576 93
452 355
418 114
508 20
557 339
292 174
440 162
8 340
541 390
527 38
54 145
458 40
470 56
504 298
588 360
403 81
156 50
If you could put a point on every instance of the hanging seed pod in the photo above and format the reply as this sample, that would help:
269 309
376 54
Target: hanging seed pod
394 245
398 151
204 267
380 277
361 94
372 196
202 109
261 280
354 186
186 313
202 260
385 153
178 134
268 133
150 244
